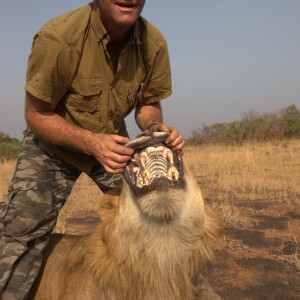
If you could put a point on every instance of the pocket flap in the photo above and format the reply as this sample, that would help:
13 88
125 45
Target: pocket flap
87 86
82 104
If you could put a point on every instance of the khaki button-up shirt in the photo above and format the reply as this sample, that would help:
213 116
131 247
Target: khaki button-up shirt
70 66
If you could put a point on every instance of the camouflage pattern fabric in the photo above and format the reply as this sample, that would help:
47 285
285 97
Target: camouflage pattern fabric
40 186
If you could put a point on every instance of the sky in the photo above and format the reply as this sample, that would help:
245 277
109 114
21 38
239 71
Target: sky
227 57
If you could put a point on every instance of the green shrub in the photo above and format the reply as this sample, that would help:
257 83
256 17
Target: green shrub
9 147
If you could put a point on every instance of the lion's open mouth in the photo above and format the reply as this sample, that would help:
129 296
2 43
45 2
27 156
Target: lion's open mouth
153 165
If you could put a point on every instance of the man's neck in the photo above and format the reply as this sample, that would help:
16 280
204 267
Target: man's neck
117 35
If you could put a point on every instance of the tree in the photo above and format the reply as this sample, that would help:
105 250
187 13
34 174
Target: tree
9 147
290 118
252 126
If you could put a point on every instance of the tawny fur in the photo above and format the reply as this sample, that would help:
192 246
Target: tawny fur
148 248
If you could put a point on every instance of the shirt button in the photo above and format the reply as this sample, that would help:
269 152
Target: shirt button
110 114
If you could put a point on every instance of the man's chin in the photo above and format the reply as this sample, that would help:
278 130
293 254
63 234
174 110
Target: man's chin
126 20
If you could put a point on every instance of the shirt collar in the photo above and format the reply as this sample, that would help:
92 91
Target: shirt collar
98 27
136 32
101 32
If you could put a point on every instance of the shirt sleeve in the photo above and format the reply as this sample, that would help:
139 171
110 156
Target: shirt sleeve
157 85
49 69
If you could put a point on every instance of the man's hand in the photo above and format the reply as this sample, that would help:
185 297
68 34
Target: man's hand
175 141
150 117
110 151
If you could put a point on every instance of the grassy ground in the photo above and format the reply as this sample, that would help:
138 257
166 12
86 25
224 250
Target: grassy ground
255 188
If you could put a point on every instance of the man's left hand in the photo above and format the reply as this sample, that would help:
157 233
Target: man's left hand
175 141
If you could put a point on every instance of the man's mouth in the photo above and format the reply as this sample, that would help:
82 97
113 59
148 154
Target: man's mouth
153 165
125 5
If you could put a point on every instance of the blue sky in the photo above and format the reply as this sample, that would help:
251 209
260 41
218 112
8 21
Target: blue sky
227 56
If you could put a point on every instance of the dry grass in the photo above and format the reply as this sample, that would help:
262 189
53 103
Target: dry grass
253 172
6 171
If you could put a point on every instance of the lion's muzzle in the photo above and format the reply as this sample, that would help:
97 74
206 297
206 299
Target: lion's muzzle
153 164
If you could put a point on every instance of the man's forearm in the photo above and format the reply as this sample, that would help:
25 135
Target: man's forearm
54 129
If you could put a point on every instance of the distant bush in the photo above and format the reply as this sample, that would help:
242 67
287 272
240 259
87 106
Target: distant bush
9 147
284 124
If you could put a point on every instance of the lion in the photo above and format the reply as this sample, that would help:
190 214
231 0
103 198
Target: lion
154 236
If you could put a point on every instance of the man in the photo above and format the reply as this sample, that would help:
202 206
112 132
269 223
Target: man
88 69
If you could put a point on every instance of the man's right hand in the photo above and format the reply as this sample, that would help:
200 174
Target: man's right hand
110 151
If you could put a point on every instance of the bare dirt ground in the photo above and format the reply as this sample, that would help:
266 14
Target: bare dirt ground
261 262
258 262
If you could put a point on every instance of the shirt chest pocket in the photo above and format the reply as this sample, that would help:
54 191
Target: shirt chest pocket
83 103
86 88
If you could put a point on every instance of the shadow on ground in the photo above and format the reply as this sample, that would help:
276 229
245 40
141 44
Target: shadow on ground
261 262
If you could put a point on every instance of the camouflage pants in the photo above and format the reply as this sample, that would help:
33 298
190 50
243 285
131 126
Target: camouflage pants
40 186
